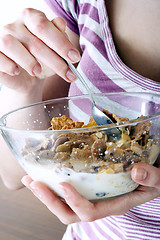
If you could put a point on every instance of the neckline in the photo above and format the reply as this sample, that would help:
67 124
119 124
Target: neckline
115 60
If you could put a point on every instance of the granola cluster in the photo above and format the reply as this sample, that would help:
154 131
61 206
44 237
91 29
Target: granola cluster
64 122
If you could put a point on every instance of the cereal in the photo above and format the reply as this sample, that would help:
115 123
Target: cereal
97 165
94 151
64 122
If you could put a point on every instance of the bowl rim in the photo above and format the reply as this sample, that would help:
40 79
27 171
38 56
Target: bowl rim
94 128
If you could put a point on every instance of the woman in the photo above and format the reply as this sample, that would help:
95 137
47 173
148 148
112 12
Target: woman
119 41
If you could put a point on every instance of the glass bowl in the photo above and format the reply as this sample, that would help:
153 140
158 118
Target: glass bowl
89 157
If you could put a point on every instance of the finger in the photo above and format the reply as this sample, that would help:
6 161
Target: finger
12 48
88 211
26 180
8 66
51 200
59 23
40 51
146 175
50 58
45 55
50 34
80 205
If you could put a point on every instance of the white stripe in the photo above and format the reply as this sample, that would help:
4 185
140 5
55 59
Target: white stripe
141 234
147 210
106 103
114 223
83 235
127 218
78 113
131 227
67 235
90 23
100 236
91 2
82 87
132 224
138 226
135 235
80 232
107 230
148 218
68 6
150 213
107 69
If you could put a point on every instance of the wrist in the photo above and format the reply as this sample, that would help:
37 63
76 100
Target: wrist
11 99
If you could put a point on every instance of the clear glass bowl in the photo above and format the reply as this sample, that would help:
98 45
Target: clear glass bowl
96 163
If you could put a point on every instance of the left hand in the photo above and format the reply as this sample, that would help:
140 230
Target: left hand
77 208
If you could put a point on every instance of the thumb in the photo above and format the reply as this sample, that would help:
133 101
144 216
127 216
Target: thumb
146 175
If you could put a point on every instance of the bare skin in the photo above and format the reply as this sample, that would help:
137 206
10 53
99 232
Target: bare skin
40 81
77 208
136 33
27 83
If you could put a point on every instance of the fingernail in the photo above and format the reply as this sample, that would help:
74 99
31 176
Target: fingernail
37 69
26 182
74 55
23 180
139 174
70 76
16 71
63 191
35 190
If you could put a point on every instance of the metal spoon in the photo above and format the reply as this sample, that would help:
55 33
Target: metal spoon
99 117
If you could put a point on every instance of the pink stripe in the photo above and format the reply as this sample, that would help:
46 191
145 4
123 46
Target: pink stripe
87 227
148 213
113 227
74 235
74 90
100 230
142 237
131 224
57 7
140 216
91 36
103 83
90 10
127 221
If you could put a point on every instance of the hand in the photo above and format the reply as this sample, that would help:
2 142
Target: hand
33 48
77 208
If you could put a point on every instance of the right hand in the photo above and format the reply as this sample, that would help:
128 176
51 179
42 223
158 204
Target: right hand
76 208
32 48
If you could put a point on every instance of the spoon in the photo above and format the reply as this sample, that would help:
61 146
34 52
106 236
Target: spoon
99 117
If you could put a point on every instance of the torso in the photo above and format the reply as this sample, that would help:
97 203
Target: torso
132 29
136 33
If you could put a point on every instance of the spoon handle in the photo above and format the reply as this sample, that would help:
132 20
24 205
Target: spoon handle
79 76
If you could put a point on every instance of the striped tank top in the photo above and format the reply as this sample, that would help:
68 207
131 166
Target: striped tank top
104 71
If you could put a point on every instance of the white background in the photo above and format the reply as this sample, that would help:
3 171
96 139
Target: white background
11 9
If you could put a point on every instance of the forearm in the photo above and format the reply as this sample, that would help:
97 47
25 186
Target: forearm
37 51
53 87
10 171
11 99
